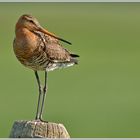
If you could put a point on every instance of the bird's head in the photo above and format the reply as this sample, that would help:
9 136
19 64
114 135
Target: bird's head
32 24
29 22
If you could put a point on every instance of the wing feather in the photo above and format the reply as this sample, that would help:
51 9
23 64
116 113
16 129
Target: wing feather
57 53
53 49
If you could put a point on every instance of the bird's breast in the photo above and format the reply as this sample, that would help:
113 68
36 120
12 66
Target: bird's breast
25 43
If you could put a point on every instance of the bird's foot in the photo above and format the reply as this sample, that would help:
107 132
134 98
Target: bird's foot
41 120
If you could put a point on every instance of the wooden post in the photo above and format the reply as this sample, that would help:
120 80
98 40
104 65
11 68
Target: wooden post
38 129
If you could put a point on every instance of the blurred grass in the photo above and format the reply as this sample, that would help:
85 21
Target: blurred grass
99 97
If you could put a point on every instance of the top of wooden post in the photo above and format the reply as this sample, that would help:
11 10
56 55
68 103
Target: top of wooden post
38 129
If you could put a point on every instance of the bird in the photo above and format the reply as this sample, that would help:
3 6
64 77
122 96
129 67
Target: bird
40 50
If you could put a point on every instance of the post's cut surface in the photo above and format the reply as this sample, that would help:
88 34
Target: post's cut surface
38 129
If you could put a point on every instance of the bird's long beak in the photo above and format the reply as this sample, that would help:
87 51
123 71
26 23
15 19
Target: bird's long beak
51 34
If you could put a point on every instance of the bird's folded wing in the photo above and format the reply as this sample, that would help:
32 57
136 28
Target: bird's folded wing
56 53
53 49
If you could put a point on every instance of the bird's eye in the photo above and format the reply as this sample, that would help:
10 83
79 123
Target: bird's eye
31 21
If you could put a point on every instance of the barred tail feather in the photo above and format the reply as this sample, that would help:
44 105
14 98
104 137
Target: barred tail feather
73 58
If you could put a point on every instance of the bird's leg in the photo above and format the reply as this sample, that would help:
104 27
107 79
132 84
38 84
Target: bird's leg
39 97
44 95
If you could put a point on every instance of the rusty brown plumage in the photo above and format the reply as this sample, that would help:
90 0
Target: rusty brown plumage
38 49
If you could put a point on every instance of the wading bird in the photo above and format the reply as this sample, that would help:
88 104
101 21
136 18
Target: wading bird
40 50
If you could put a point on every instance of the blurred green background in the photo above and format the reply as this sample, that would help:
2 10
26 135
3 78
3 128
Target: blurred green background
98 98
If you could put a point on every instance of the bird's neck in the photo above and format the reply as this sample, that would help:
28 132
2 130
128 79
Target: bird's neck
22 32
26 38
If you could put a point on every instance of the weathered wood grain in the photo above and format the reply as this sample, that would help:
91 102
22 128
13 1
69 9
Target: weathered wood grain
38 129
